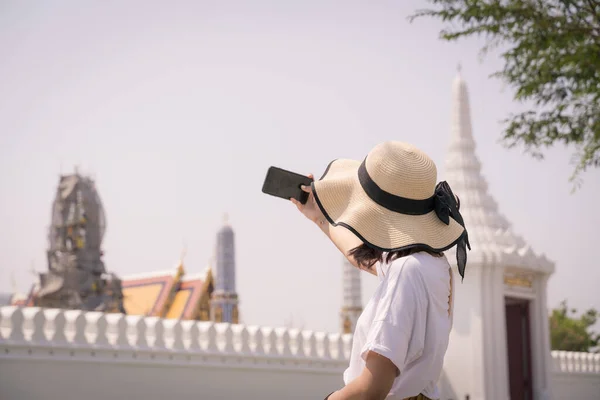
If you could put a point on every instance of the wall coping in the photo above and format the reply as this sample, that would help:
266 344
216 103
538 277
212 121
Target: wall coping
42 333
571 362
56 334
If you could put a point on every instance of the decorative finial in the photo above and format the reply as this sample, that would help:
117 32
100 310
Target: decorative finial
225 218
459 68
183 251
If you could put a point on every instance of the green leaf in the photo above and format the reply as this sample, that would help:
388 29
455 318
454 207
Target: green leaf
551 59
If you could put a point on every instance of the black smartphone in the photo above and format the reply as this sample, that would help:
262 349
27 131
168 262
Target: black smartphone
286 184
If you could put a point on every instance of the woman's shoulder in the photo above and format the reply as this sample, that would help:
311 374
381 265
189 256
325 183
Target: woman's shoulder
417 265
407 267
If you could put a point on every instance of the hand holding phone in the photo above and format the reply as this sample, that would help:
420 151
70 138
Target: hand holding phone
286 184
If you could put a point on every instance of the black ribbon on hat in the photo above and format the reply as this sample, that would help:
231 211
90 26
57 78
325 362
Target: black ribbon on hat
447 205
443 202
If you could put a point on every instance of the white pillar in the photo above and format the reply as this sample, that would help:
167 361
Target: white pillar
542 358
351 297
498 377
464 364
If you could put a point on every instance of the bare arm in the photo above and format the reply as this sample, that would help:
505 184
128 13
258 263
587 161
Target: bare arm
374 383
341 237
344 240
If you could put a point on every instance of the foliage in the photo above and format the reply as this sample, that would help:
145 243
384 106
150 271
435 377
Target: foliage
551 57
573 334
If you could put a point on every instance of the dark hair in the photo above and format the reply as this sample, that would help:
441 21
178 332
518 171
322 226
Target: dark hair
367 256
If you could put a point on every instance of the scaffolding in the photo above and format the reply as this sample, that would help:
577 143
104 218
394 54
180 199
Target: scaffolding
76 276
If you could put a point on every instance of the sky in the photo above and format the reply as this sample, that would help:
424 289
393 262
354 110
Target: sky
177 109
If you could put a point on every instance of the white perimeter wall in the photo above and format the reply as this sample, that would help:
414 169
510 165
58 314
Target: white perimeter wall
54 354
576 376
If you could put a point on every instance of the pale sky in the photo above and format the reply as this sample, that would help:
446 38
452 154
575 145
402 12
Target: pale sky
178 108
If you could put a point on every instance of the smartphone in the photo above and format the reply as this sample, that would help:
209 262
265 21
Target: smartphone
286 184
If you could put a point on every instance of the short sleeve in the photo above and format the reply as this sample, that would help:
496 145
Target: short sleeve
398 329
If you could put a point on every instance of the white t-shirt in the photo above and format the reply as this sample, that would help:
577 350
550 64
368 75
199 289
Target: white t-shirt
408 321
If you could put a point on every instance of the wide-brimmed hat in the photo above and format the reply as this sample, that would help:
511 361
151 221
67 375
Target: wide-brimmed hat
391 201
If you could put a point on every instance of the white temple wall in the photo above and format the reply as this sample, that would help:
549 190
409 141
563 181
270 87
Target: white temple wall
574 387
539 328
65 378
463 365
56 354
575 376
540 341
494 333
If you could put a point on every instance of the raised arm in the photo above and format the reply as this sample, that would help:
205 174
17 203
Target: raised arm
341 237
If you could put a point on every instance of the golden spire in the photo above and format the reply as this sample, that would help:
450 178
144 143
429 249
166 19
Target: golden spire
183 252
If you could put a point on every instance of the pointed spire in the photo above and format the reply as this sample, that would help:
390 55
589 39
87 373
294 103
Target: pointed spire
183 251
461 112
463 173
488 229
226 226
463 168
224 299
220 264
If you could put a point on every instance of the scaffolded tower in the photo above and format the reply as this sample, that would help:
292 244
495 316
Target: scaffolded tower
76 277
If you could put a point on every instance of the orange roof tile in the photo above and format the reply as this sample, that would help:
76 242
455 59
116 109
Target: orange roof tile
188 296
148 294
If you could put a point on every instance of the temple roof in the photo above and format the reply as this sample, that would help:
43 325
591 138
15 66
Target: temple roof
149 293
187 299
490 233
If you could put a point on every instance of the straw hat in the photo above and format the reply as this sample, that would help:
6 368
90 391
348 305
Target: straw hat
391 200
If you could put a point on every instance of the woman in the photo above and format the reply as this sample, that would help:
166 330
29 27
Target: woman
388 217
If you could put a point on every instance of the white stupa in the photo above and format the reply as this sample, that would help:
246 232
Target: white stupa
499 345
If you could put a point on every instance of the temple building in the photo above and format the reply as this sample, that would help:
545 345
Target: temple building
169 294
209 295
76 277
499 344
224 300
